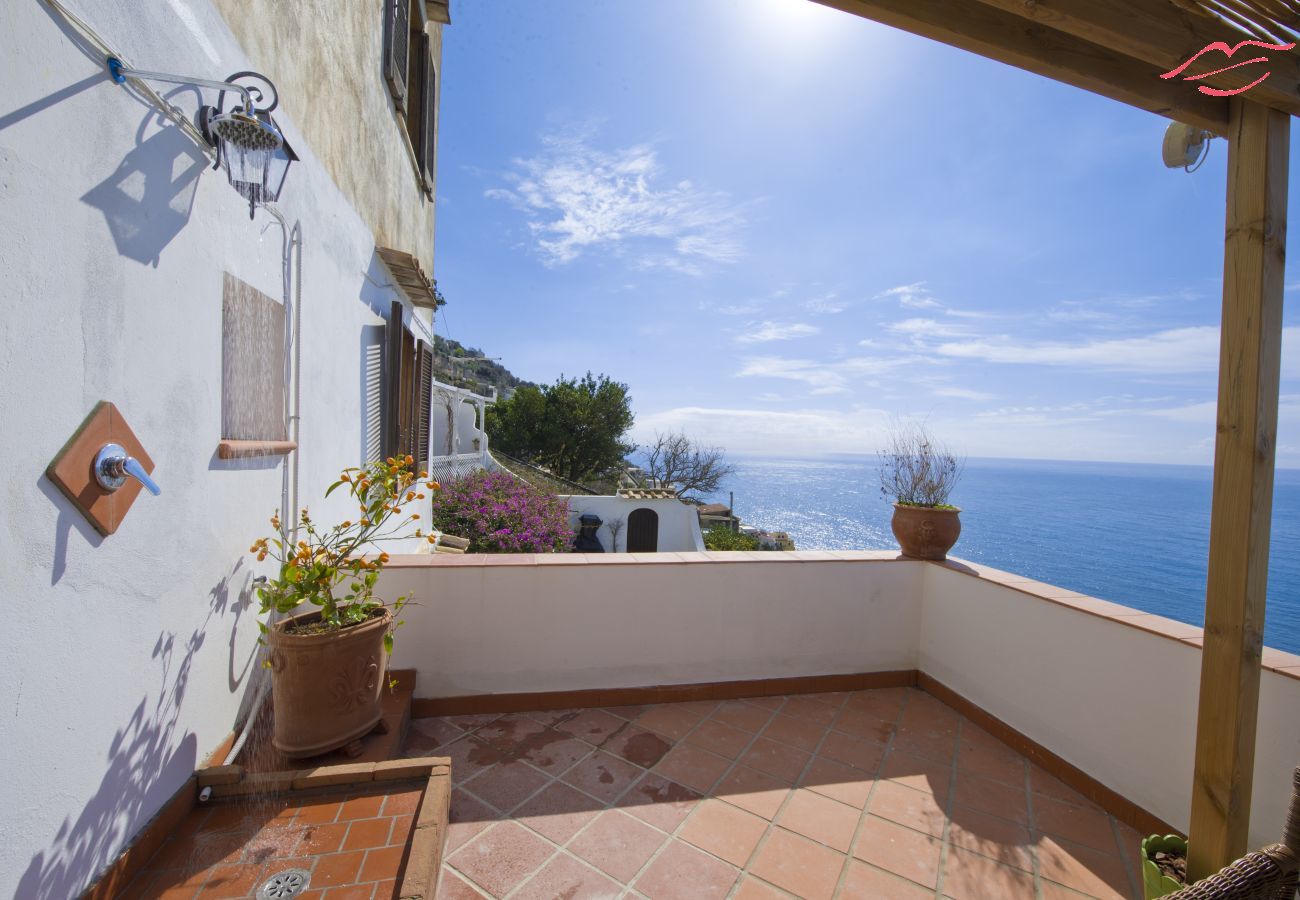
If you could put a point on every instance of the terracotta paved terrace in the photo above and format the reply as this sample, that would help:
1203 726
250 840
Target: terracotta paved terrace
879 794
352 844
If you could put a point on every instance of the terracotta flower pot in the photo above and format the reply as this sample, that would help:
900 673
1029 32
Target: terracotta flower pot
326 687
925 533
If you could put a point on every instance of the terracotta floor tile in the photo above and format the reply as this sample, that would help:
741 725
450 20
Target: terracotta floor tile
752 790
753 889
501 858
911 854
469 756
983 754
931 744
969 876
602 775
862 754
1089 826
803 734
386 890
838 781
993 837
885 704
669 721
993 797
381 863
864 882
772 703
659 802
638 746
567 878
1054 891
351 892
617 844
433 732
558 812
719 738
552 718
631 713
361 807
201 850
724 830
915 809
781 760
861 723
925 710
319 813
743 715
683 873
697 769
367 833
337 868
1082 868
800 866
404 803
466 817
551 752
471 722
802 707
917 772
451 886
821 819
592 725
701 708
507 732
1040 782
506 784
231 881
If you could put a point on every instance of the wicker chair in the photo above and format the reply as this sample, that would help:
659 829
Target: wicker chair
1267 874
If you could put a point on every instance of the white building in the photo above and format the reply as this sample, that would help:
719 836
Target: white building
251 359
644 520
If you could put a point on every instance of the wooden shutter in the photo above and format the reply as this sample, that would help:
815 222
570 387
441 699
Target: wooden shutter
428 149
643 531
397 48
423 402
406 397
393 381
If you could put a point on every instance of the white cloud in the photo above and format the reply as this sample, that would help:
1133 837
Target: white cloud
827 304
805 432
817 375
579 199
960 393
738 309
918 328
1179 350
913 296
765 332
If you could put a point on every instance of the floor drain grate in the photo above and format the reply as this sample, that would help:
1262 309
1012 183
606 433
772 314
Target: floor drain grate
289 883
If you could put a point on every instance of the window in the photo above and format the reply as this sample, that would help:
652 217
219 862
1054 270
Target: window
413 80
252 364
408 391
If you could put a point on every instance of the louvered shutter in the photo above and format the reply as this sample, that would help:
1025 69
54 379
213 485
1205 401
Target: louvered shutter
424 402
397 48
392 417
429 115
406 397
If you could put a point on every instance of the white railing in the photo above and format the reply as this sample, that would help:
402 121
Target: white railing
450 468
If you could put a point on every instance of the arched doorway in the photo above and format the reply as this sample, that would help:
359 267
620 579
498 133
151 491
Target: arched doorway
643 531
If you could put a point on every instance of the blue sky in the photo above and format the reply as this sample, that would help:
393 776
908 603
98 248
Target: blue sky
785 227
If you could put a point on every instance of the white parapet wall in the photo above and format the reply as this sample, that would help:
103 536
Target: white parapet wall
506 624
1109 689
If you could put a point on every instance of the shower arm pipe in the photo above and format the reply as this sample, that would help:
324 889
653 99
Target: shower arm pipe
150 96
120 72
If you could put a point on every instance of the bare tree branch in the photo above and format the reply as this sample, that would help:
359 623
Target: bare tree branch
676 459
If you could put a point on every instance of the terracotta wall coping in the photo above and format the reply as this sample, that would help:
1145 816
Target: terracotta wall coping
1278 661
241 449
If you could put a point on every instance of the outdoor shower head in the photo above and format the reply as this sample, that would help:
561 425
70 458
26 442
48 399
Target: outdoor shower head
245 132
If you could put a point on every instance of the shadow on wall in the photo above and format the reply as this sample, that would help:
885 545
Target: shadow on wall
68 520
372 393
148 199
147 762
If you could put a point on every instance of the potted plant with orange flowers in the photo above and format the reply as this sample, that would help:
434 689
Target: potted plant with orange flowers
328 664
918 474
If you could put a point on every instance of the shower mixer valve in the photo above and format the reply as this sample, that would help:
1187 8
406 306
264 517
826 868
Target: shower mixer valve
113 465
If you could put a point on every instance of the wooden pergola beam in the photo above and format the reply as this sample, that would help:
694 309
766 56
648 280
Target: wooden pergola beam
1018 41
1166 36
1250 357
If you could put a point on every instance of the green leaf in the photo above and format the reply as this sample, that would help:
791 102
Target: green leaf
388 643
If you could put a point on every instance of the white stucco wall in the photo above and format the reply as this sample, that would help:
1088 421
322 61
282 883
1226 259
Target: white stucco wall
1118 702
580 621
679 524
126 657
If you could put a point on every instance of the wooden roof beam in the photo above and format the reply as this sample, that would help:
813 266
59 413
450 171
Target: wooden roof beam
1013 39
1166 36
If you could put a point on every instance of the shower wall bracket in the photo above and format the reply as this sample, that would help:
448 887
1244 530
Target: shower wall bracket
73 468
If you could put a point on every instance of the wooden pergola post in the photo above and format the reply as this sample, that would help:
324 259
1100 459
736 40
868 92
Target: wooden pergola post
1250 352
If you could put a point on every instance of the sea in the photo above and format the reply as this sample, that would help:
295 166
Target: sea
1133 534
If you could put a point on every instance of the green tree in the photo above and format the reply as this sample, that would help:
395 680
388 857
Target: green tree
574 427
722 538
